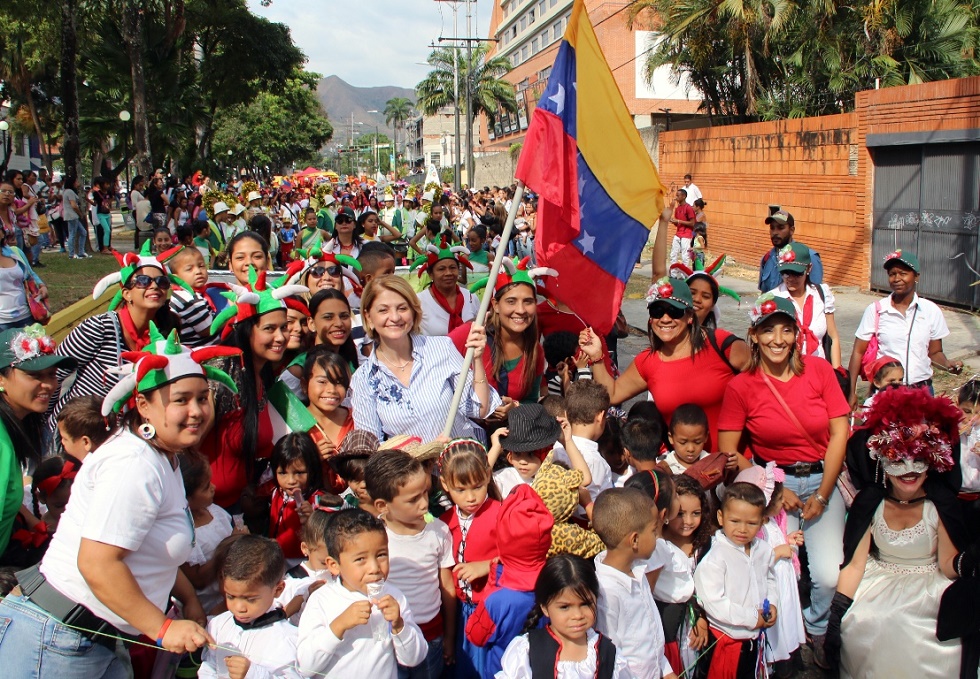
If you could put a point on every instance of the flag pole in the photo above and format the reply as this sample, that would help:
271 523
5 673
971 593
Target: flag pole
481 315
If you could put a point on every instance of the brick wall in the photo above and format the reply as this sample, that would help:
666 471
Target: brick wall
806 166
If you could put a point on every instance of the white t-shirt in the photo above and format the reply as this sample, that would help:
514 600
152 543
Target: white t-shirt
693 193
414 563
130 497
601 473
619 480
295 587
209 537
899 335
435 319
675 585
507 479
675 465
271 649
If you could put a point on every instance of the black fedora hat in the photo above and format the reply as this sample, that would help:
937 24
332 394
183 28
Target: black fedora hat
531 428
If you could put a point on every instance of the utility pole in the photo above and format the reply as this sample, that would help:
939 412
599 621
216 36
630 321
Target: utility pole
469 95
457 184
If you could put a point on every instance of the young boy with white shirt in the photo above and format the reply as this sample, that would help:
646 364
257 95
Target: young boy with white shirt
736 583
251 575
420 554
626 520
309 576
530 434
687 433
348 630
586 403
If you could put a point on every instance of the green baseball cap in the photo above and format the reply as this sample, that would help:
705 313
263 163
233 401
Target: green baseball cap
769 305
794 257
907 258
30 350
673 291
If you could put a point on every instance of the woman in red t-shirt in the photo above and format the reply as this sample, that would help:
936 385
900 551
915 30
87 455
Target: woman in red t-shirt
795 415
685 363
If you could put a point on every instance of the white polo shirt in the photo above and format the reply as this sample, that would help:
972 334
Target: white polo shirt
906 336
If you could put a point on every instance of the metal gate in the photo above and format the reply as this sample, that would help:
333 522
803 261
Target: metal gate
927 201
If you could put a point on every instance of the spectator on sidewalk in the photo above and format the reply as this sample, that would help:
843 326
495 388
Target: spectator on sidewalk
693 192
782 226
684 219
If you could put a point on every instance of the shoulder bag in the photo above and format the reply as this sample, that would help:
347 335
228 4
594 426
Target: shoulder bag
871 353
844 485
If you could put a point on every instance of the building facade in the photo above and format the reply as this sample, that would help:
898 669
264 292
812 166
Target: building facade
528 33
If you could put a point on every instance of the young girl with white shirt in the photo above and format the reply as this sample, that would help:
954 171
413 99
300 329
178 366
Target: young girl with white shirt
567 647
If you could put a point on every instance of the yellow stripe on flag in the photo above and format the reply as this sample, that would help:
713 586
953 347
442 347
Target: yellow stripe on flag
606 136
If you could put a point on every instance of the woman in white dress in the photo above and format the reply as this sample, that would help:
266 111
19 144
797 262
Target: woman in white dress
900 545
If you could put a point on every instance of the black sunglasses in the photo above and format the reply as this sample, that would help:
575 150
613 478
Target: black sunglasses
318 271
658 309
342 220
142 282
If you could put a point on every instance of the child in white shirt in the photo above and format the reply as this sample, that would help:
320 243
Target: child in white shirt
628 523
265 643
358 626
307 577
586 404
687 433
737 584
420 554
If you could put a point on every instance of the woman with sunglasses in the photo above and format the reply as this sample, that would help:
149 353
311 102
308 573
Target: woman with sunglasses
685 363
98 342
345 240
114 562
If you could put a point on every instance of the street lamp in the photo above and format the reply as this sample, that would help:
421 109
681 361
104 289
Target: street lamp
125 117
377 133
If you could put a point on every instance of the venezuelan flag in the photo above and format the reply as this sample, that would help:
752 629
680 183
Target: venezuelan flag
599 194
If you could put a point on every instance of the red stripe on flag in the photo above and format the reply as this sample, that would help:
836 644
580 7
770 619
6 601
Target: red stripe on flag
548 165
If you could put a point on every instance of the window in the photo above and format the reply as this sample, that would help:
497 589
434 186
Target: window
544 73
506 8
523 22
534 45
521 86
541 7
524 53
434 159
530 17
513 31
514 59
554 2
556 31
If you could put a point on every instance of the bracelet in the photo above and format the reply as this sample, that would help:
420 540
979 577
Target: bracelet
821 499
163 631
592 361
479 381
958 564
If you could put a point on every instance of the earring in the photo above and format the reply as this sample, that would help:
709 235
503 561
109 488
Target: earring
2 390
147 431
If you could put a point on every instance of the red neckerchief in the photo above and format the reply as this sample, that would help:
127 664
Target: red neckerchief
140 339
456 314
810 345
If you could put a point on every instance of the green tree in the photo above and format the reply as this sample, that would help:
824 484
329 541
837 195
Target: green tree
489 92
366 151
275 129
397 111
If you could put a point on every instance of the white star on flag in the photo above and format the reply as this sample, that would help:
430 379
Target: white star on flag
559 99
587 242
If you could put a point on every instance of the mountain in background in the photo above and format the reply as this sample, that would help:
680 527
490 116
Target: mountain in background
340 99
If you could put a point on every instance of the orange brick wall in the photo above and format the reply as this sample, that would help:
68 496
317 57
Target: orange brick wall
801 165
804 166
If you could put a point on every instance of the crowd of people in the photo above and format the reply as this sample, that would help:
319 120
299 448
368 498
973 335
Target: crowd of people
252 479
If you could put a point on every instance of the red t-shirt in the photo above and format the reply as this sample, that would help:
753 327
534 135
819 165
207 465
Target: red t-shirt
815 398
284 524
701 381
516 389
223 447
481 544
685 212
552 320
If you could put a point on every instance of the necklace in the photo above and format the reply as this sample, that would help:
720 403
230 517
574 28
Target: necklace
392 364
913 501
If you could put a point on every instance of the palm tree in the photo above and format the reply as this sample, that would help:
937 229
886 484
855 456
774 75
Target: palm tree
397 111
489 93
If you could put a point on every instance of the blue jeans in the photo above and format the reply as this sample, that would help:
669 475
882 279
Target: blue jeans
430 668
824 539
33 645
77 235
22 323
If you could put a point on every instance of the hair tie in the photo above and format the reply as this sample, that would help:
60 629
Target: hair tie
68 472
656 485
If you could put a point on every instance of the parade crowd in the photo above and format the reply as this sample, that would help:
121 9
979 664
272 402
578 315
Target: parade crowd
250 479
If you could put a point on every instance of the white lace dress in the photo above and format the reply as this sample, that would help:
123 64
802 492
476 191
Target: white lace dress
890 629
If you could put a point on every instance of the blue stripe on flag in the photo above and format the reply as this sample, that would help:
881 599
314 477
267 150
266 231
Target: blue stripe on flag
560 96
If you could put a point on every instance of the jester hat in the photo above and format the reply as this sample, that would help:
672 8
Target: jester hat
310 257
511 274
709 273
437 253
163 361
129 263
255 299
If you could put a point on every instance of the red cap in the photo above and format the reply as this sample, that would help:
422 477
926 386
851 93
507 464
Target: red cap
523 538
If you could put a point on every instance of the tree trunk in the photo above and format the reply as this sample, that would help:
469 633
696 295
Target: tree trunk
71 147
132 30
36 119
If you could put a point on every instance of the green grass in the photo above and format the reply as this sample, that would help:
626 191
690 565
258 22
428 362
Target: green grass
69 280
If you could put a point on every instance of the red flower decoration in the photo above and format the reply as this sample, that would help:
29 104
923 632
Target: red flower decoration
768 307
665 290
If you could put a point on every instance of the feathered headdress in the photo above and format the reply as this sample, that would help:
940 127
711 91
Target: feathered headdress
255 299
710 272
128 264
909 423
512 273
163 361
436 253
308 258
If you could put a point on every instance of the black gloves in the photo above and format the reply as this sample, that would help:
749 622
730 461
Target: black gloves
832 643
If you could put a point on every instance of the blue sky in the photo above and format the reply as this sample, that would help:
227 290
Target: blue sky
372 42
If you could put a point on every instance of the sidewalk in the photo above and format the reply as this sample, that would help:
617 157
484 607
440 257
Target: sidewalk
962 344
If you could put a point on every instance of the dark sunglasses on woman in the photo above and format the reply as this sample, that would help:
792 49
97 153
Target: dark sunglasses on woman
318 271
142 282
657 310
